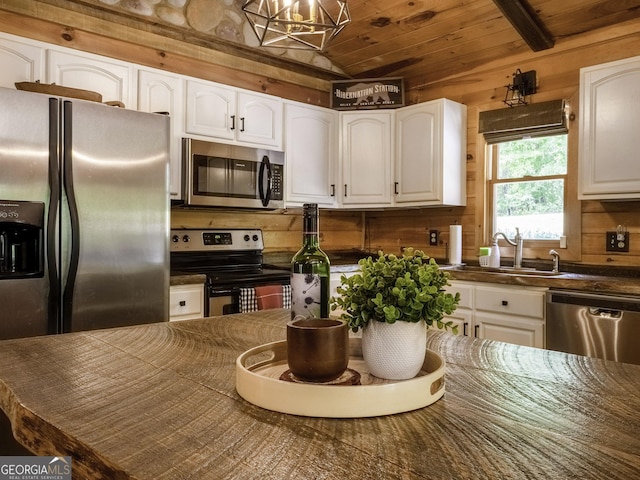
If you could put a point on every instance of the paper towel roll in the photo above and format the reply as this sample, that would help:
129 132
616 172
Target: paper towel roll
455 244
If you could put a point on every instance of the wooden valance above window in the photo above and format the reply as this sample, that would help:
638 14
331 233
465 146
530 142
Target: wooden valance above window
533 120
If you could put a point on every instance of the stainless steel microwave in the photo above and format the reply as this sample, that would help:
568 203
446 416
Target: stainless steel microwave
220 175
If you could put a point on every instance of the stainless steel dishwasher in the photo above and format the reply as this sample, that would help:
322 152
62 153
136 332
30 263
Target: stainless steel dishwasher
595 325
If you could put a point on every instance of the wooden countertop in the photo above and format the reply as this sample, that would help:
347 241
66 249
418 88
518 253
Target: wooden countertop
569 281
187 279
159 402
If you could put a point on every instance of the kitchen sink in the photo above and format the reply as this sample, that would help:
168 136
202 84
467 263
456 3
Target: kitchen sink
503 270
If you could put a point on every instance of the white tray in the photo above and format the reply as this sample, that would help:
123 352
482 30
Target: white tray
258 381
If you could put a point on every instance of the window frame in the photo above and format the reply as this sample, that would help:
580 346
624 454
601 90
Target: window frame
536 250
493 180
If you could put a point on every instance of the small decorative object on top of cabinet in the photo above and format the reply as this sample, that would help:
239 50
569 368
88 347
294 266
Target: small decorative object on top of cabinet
394 291
609 126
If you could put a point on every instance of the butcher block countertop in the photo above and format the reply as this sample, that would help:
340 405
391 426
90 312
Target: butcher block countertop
159 402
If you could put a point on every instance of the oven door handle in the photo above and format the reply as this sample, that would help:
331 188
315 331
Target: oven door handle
219 292
265 166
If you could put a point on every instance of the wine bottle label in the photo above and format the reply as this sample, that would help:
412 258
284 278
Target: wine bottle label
306 295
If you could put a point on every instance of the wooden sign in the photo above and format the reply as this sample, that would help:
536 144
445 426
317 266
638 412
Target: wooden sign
367 93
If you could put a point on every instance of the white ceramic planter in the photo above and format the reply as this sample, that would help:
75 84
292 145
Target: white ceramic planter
394 351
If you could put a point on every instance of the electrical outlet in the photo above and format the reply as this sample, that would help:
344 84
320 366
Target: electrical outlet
433 238
617 241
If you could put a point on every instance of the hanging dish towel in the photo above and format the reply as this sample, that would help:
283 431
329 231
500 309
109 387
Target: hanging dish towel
265 297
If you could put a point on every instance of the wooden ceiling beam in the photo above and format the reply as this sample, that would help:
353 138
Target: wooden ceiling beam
526 23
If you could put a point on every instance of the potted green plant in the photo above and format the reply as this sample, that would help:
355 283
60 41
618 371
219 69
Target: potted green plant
394 299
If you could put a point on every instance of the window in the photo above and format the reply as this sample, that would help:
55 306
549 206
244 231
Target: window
527 185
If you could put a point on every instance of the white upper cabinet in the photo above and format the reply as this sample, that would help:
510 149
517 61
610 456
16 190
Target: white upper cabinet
366 156
311 154
111 78
430 160
226 113
21 62
410 157
211 110
163 92
609 131
260 119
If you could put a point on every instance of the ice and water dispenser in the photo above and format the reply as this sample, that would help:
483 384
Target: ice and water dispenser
21 239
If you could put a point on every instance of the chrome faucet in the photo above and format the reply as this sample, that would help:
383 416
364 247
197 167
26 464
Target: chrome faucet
556 261
517 242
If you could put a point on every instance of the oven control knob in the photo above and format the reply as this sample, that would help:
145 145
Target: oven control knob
247 238
255 238
175 239
186 238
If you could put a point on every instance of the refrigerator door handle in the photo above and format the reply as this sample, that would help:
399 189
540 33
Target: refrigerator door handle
52 243
67 296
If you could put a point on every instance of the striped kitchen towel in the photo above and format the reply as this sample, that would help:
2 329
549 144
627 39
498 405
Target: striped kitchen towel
265 297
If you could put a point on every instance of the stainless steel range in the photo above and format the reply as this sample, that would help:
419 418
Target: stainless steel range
231 259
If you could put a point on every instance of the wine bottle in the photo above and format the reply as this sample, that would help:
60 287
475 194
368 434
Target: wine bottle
310 271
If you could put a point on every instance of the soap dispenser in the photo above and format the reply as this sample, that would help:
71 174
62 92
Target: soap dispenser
494 257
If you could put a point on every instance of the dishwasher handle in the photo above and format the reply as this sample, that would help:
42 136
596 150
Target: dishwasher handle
605 312
596 301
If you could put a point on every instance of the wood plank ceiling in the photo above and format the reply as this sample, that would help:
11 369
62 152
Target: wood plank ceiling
426 41
423 41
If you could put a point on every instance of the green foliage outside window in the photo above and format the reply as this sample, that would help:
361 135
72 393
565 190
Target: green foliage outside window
529 186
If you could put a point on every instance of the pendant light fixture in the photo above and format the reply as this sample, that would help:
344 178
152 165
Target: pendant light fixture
298 24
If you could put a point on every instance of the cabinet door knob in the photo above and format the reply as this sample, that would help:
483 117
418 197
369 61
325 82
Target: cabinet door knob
505 303
182 303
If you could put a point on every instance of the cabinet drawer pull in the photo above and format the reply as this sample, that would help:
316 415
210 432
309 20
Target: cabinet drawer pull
242 124
505 303
395 188
233 122
182 303
333 189
464 329
475 331
345 189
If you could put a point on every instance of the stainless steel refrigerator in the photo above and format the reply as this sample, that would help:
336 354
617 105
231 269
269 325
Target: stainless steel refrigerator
84 215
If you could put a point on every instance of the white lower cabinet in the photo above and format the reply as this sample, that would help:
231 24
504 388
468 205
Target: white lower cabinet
186 301
512 314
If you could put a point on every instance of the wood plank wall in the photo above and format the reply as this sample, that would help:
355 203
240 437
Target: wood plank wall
480 89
